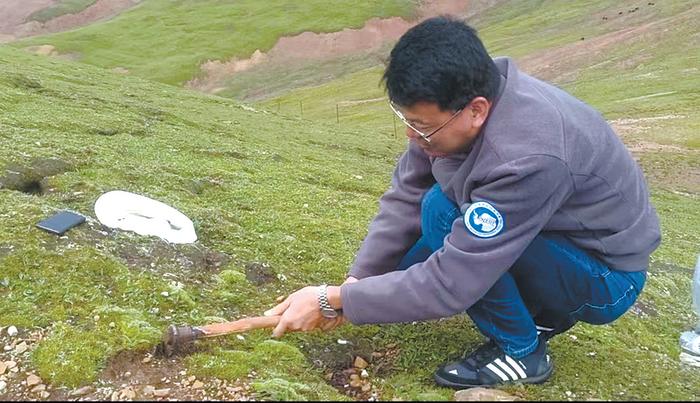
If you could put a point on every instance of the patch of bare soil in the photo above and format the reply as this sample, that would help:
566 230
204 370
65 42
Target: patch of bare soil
631 131
351 366
562 64
13 15
310 46
663 164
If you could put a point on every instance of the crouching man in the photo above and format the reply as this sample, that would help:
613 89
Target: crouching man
514 202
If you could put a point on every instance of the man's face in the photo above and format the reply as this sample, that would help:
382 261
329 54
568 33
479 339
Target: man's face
459 130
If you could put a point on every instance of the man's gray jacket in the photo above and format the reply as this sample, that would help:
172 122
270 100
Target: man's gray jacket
543 161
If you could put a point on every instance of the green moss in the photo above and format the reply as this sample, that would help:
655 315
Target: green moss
128 325
282 371
282 390
429 397
267 357
232 278
223 364
277 356
70 357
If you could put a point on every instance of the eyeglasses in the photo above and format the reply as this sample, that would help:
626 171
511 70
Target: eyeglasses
424 136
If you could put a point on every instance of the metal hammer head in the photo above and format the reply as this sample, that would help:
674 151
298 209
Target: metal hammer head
177 338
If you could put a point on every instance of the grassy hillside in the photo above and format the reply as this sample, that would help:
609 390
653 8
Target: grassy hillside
280 202
260 188
654 57
166 41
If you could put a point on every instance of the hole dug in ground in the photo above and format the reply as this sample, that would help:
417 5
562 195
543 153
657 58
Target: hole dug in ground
351 366
33 179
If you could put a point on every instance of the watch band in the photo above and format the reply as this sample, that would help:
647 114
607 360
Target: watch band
326 309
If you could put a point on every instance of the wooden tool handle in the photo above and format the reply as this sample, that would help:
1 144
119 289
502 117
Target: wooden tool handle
238 326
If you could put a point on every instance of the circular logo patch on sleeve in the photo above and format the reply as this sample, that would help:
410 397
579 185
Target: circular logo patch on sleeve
483 220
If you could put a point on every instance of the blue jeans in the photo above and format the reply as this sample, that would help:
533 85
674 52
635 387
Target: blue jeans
552 284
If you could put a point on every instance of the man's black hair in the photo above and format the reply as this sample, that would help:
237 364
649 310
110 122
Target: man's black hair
440 60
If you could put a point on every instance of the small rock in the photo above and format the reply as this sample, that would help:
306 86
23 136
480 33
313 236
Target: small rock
191 378
7 348
45 394
3 367
127 393
39 388
161 392
360 362
3 385
112 324
10 364
367 387
115 396
197 385
354 377
33 380
483 395
146 360
12 331
355 383
149 390
21 348
82 391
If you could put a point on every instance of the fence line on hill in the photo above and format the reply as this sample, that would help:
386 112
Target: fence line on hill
298 110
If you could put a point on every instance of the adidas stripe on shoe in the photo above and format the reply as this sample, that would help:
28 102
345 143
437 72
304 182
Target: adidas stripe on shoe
490 366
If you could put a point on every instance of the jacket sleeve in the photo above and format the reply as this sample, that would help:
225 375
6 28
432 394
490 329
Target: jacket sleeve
526 192
396 227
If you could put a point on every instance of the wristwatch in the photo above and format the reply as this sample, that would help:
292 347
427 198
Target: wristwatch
326 310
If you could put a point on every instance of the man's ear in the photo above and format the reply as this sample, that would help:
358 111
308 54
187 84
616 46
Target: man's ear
479 108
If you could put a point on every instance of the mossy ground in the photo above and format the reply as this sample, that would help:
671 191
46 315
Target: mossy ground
297 194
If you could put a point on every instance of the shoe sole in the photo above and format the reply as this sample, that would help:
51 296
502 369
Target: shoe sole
532 380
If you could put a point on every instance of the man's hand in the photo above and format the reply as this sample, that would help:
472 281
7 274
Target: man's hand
300 312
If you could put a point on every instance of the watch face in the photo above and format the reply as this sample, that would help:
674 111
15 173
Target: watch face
329 313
